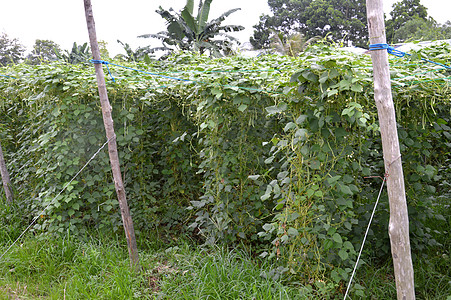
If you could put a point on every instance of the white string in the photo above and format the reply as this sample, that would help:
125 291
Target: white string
364 239
51 202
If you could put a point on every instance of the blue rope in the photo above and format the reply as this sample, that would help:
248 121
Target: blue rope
7 76
175 78
96 61
220 71
136 70
399 53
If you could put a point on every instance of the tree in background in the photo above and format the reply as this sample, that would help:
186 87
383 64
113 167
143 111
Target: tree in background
418 29
446 29
341 19
43 51
410 22
11 51
186 32
403 12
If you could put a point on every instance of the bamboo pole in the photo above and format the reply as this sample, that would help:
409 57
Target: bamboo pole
112 146
398 228
5 177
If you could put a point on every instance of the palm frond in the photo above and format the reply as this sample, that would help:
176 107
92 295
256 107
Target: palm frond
189 6
189 20
222 17
202 17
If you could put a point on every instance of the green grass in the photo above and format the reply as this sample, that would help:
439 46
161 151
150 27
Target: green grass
98 268
52 268
221 274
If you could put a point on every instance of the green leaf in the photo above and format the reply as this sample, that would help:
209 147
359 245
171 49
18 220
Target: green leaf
310 76
292 231
190 6
242 107
202 16
324 76
357 88
276 108
333 180
268 227
333 74
348 246
301 119
332 92
301 133
319 194
343 254
439 217
253 177
267 193
284 238
56 112
293 216
217 92
289 126
314 164
287 90
295 76
337 238
269 160
335 276
345 189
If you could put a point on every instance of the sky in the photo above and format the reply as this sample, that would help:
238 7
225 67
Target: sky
63 21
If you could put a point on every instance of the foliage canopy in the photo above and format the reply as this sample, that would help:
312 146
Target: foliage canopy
271 152
410 22
43 51
342 20
11 51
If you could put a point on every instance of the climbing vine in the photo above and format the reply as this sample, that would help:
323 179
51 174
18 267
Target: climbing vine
279 153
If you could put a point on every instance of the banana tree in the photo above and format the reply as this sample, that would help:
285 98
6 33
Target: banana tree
78 54
186 32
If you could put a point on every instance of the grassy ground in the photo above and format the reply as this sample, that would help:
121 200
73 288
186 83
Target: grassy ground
97 267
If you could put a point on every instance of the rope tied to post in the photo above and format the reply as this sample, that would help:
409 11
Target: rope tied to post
97 61
389 48
393 51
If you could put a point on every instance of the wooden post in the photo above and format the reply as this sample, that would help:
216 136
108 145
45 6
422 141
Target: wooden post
112 146
398 227
5 177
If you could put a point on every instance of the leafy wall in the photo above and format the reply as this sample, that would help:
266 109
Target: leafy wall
272 151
